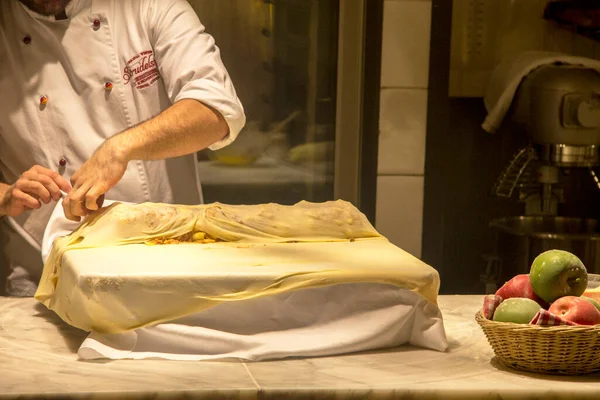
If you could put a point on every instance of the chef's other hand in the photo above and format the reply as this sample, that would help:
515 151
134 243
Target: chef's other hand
96 176
35 186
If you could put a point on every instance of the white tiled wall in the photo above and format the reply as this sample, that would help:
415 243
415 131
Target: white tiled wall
400 210
406 26
402 124
403 121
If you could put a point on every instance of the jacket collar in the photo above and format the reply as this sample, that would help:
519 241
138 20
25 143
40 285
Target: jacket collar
74 7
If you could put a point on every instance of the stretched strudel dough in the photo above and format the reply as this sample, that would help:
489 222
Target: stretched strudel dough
106 277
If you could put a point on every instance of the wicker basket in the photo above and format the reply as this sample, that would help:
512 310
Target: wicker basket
564 350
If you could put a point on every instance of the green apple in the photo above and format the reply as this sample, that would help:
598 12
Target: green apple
593 301
519 310
557 273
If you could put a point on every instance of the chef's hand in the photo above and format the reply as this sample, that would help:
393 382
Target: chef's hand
35 186
95 177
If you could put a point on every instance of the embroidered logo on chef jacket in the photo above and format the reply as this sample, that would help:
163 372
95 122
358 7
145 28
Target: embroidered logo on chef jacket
141 70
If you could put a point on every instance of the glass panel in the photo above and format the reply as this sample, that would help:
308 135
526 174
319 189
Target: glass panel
282 58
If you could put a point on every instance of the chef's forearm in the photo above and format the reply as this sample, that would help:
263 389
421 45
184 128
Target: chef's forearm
3 190
186 127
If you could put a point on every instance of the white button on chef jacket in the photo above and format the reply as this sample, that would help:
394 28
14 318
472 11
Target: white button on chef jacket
68 85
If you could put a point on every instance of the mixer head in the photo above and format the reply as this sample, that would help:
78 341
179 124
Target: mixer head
558 106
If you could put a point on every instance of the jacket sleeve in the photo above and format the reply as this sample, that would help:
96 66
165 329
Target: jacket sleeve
190 63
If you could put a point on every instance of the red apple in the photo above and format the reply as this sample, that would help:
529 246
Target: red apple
593 301
520 286
575 309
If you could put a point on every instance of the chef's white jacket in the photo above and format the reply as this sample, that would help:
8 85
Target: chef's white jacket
68 85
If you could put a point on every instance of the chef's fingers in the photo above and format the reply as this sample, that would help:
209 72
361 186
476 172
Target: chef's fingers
52 180
66 203
33 188
77 201
58 180
50 185
94 198
25 199
77 208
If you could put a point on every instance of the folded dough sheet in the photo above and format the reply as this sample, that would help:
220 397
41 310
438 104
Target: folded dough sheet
134 268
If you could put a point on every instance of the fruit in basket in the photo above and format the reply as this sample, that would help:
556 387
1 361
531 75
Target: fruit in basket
593 293
557 273
517 309
593 301
576 309
519 286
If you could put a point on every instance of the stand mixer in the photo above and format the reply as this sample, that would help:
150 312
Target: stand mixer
558 107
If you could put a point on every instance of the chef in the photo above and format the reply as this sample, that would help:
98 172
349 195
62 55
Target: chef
101 98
